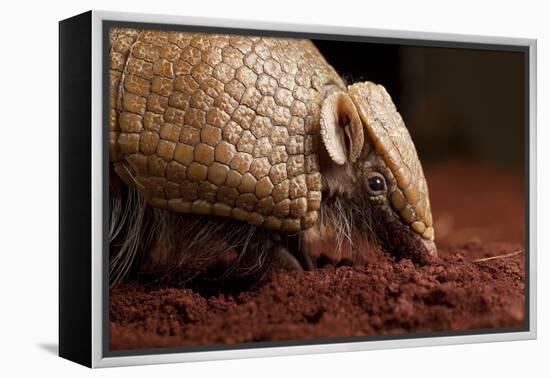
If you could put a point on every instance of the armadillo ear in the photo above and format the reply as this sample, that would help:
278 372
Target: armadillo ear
341 128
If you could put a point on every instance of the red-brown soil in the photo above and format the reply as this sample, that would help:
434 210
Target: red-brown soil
478 213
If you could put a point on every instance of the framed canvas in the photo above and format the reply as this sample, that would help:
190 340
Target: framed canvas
232 189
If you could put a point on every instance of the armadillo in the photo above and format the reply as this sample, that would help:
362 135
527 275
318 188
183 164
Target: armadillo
264 132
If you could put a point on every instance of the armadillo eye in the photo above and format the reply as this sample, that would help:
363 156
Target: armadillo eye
376 184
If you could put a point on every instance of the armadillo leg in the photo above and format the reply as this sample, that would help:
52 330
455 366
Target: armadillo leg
305 259
299 252
283 259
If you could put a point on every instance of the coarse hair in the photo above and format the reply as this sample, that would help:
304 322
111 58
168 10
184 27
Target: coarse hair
160 244
185 245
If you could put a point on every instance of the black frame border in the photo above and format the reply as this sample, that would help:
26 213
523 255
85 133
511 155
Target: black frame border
75 189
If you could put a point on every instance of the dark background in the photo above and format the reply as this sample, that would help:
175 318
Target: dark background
457 103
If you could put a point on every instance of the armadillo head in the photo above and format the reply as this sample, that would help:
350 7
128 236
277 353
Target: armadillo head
365 136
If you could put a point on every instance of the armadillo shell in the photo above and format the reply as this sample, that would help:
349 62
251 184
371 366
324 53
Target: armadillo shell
219 124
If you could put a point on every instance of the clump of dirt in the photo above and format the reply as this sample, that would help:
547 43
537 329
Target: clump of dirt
477 218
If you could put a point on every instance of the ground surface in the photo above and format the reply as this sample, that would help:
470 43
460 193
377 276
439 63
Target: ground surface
478 214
